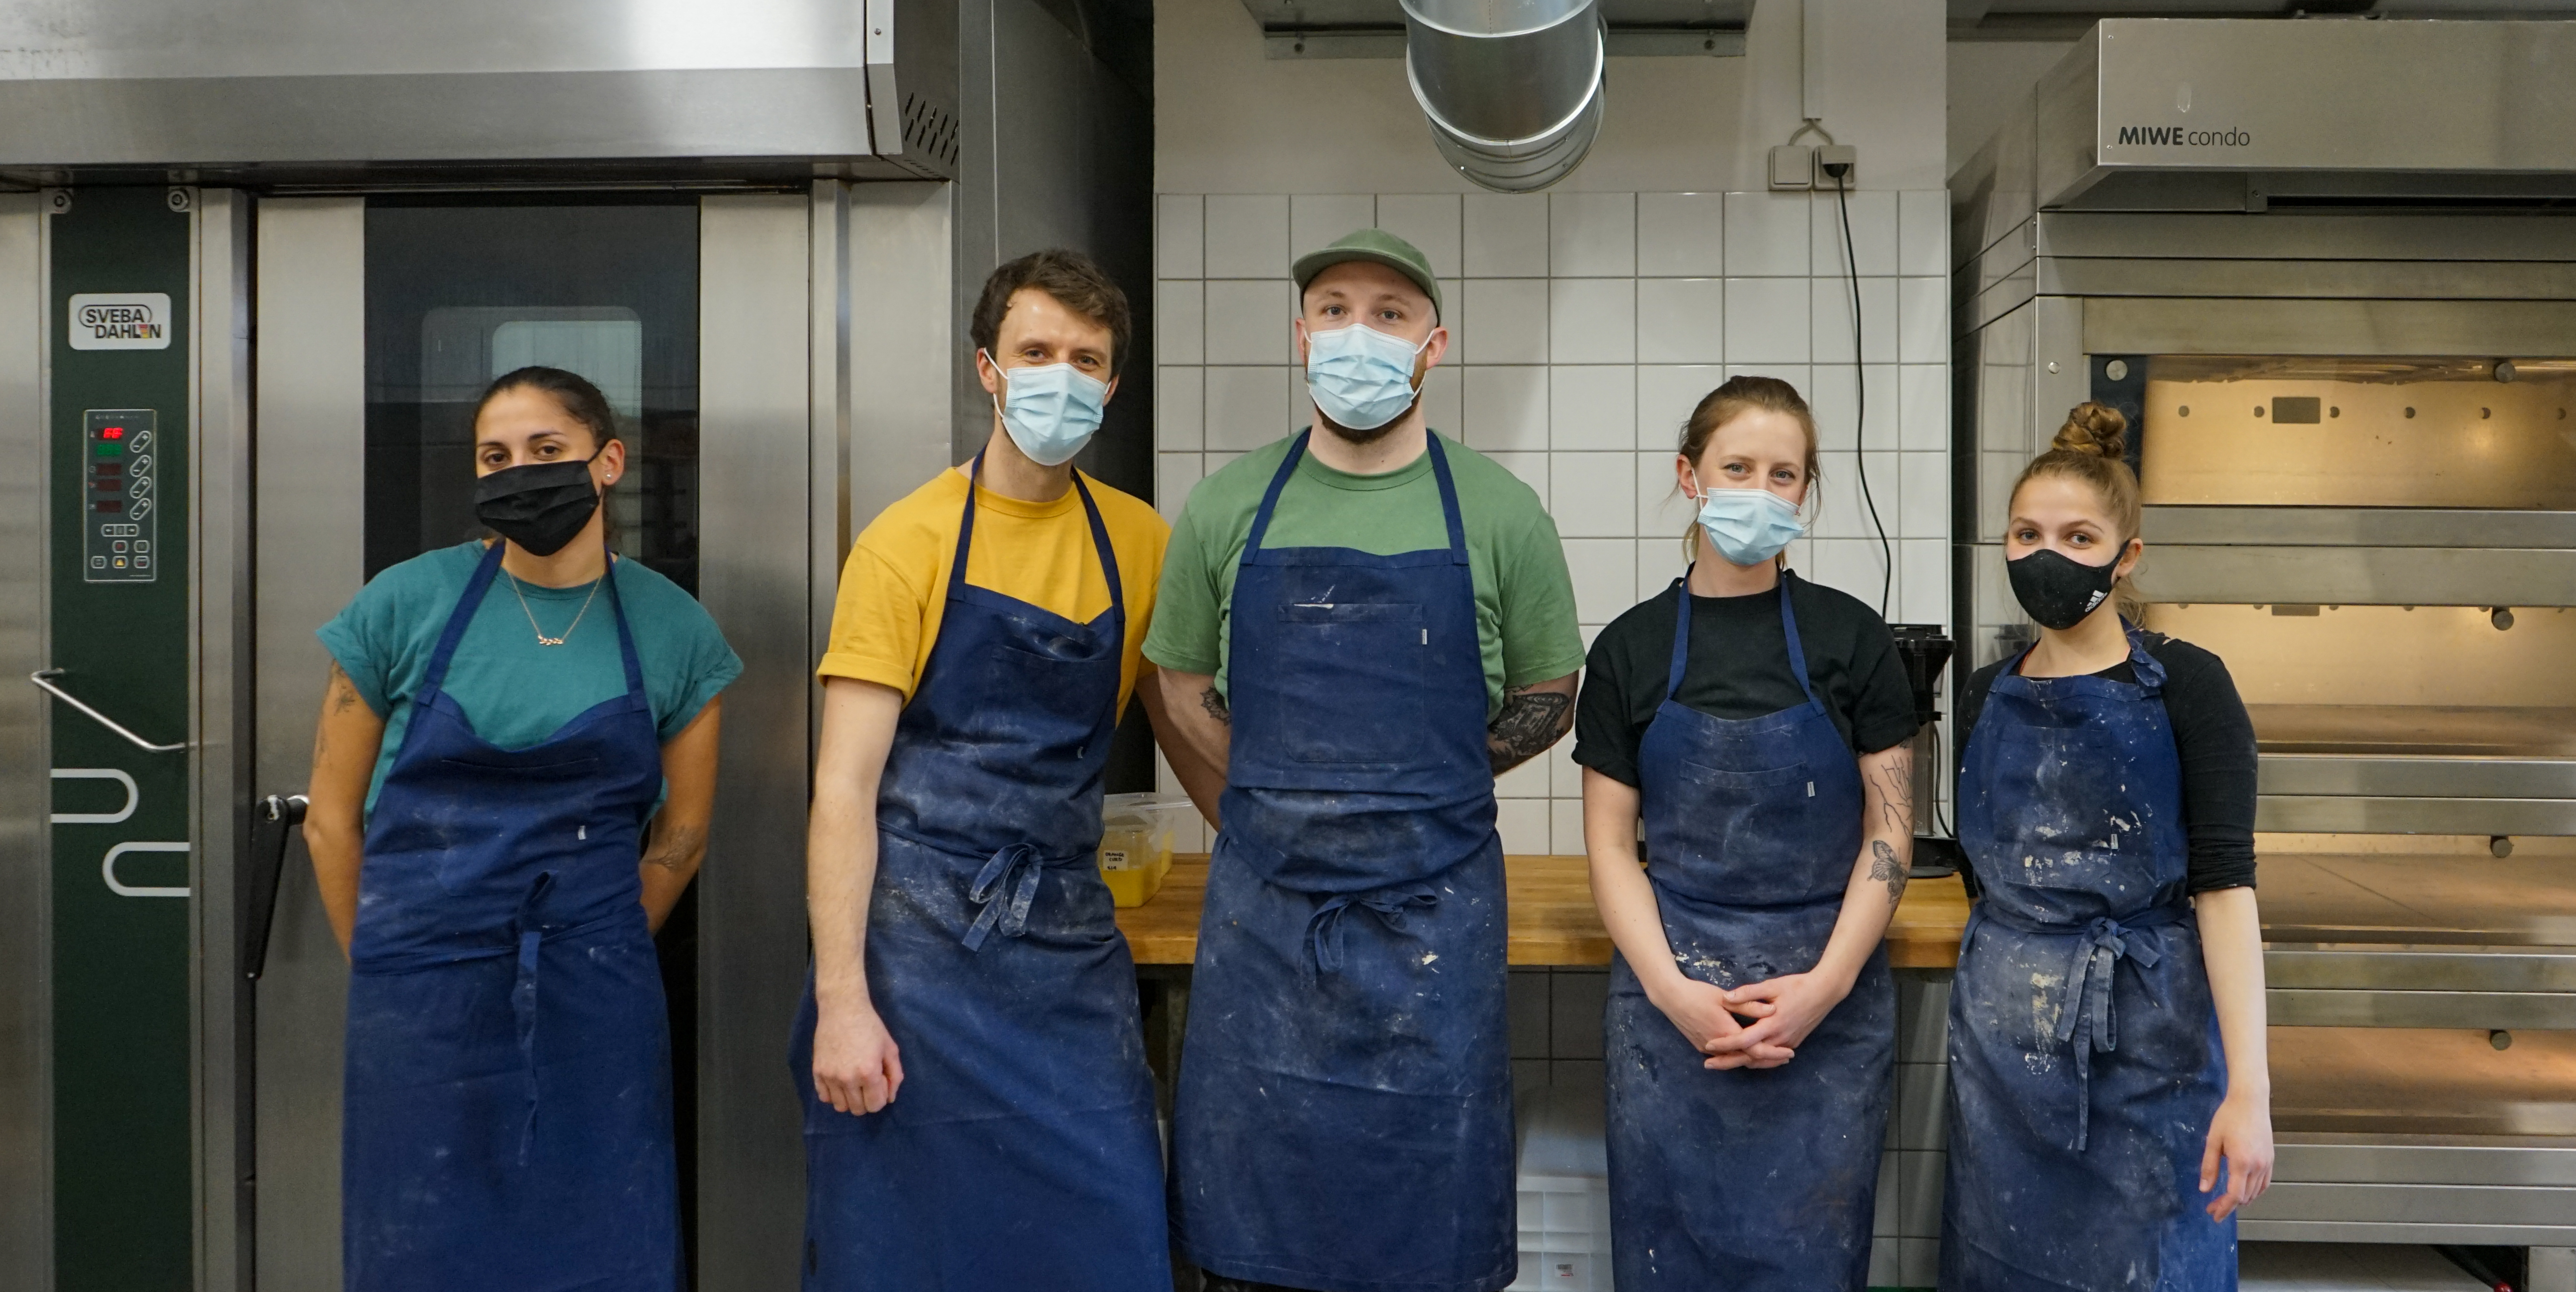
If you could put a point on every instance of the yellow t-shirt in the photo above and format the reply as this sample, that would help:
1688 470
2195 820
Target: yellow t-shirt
894 587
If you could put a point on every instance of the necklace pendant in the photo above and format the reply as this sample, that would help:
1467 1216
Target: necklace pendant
544 640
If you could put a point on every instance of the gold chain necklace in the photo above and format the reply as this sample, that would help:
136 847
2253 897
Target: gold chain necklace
542 639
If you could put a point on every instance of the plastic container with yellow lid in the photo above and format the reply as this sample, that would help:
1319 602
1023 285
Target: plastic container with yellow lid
1136 843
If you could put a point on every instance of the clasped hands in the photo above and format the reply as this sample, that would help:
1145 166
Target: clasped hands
1757 1025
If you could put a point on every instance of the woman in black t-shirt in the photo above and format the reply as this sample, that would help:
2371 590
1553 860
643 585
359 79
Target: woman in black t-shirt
1727 712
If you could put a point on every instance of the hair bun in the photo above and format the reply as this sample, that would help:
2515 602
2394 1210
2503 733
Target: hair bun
2097 429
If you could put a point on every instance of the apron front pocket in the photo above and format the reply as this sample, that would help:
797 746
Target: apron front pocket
1370 710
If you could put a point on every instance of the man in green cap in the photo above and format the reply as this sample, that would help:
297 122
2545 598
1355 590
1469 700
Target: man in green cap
1358 628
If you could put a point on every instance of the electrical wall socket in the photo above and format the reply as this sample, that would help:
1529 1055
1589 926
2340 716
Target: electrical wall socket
1843 155
1793 166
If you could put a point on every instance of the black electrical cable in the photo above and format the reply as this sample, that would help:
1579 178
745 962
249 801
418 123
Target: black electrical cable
1860 399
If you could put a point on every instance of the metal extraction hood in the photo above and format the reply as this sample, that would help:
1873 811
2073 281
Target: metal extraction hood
2241 115
341 90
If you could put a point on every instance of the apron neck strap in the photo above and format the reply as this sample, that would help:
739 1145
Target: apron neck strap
1681 637
471 600
1449 513
1789 629
1090 509
462 615
1270 497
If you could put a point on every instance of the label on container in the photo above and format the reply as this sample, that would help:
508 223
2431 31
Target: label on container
1113 859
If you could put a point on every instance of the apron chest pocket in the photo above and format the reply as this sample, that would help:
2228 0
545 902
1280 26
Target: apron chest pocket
1369 709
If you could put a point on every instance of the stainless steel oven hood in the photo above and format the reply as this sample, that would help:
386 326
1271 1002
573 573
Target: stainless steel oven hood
2242 115
325 90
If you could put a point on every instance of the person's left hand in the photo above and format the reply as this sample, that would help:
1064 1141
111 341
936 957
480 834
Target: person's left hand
2241 1132
1784 1009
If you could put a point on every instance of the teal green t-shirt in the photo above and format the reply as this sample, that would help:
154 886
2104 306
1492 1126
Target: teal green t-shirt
1524 597
516 692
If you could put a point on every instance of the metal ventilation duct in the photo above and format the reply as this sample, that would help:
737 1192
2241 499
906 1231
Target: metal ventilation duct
1512 88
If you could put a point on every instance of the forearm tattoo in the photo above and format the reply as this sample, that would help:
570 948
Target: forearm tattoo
1529 723
1886 869
1896 791
672 845
1213 700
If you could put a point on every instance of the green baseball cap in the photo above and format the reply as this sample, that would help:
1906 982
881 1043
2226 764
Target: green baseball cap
1377 246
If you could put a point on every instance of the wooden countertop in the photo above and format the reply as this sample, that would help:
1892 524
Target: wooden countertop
1553 922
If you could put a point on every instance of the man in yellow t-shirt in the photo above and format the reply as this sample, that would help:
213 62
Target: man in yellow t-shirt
969 1050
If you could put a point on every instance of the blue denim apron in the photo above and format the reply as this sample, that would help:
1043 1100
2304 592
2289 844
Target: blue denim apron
508 1090
2084 1056
1344 1116
1762 1181
1021 1152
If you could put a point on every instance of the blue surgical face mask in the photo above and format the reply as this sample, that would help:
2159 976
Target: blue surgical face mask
1050 410
1749 526
1361 377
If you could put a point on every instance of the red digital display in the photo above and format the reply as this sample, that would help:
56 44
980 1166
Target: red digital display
111 505
112 433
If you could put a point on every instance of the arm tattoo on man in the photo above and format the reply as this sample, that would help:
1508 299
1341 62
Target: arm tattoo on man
1213 700
1529 723
1896 792
1886 869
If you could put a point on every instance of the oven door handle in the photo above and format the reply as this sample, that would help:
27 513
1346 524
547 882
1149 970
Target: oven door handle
272 823
43 677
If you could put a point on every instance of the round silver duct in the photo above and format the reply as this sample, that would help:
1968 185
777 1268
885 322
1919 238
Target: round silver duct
1512 87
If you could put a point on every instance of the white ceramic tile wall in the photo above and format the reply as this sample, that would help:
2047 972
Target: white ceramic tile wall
1586 327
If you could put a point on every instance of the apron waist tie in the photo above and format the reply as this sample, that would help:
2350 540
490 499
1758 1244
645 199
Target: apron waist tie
523 1005
2085 1022
1324 930
992 882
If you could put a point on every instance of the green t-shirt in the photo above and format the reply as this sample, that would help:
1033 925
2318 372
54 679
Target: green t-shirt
516 692
1524 597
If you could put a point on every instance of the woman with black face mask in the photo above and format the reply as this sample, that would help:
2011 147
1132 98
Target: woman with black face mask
511 787
2110 1093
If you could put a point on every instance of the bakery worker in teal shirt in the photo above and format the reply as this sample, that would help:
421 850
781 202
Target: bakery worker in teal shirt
511 787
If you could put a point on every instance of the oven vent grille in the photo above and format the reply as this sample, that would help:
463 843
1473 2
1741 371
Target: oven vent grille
929 130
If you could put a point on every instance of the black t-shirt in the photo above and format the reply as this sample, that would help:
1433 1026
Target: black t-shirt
2215 739
1739 668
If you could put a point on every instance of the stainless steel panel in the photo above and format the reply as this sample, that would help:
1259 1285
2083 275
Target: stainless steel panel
828 406
140 39
754 504
2437 280
2347 1159
2359 527
2254 1227
26 1102
2489 778
2206 325
2366 1007
2374 903
2480 971
223 759
2455 731
2424 1204
135 83
2064 109
903 342
310 373
2371 576
2446 1083
2292 236
2356 814
2424 96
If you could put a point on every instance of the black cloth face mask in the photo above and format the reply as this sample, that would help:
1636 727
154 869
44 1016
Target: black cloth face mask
540 506
2057 591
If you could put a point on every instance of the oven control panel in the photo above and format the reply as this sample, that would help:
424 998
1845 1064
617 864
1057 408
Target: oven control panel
120 521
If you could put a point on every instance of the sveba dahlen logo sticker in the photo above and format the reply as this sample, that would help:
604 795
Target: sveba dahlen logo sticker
120 321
